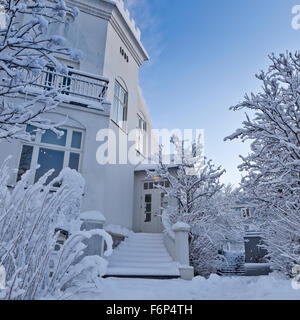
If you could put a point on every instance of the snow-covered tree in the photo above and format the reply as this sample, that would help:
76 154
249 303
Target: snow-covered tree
27 48
37 264
41 245
272 169
195 197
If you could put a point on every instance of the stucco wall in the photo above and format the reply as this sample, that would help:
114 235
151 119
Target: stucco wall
109 189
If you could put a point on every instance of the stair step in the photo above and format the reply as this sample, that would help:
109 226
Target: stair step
144 245
139 264
142 255
149 259
142 272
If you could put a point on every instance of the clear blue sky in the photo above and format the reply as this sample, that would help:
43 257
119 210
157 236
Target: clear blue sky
204 55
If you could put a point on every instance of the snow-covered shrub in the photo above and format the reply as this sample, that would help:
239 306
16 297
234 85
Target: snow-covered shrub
198 200
29 216
272 168
232 260
26 49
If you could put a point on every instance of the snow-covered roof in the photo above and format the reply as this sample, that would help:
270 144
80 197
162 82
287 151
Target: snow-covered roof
151 166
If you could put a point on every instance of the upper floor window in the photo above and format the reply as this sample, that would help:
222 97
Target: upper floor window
119 113
51 152
141 134
246 213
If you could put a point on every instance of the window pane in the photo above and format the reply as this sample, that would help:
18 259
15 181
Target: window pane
115 110
146 186
74 161
124 118
76 140
123 96
31 129
49 159
117 89
51 138
148 198
25 160
121 113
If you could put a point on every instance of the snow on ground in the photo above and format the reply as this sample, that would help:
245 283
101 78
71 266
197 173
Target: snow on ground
215 288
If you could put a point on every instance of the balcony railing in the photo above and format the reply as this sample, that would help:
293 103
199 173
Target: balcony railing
76 86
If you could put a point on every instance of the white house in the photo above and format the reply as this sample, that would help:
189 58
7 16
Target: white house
103 93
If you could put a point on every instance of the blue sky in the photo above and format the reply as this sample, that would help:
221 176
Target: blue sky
204 57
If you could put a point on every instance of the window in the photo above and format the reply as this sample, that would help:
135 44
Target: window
153 185
51 152
119 113
141 134
148 208
246 213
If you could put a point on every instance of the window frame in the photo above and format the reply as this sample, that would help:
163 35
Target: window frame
67 149
141 132
123 126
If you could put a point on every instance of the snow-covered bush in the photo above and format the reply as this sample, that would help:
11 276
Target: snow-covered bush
37 265
272 169
27 48
195 197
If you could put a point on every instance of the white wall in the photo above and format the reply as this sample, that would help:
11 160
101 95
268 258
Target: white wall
99 32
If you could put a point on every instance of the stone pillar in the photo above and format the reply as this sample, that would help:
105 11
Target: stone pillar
182 250
93 220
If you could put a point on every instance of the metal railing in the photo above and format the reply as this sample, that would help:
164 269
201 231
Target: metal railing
82 87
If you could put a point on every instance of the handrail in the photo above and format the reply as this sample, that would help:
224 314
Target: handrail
78 84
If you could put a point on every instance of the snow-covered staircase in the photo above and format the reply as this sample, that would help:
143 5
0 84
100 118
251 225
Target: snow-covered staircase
142 255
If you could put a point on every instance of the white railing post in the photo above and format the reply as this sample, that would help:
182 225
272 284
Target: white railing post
93 220
181 231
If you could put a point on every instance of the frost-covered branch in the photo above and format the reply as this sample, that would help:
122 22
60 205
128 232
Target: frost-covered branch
197 197
38 264
272 168
27 47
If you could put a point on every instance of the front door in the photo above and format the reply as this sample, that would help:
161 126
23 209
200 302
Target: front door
153 200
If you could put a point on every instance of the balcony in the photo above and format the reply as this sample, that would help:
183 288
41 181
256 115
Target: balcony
76 87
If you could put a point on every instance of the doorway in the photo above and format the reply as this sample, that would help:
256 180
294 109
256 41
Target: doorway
153 202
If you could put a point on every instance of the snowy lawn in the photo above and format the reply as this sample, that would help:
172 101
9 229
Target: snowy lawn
215 288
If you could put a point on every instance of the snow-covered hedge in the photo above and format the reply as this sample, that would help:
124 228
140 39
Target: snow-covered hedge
29 216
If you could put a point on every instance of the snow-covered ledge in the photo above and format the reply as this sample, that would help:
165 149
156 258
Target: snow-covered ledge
93 220
177 244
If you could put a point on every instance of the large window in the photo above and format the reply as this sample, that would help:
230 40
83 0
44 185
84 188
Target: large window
51 152
141 127
119 113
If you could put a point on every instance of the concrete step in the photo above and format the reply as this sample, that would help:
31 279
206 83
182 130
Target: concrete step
149 259
146 272
142 255
138 264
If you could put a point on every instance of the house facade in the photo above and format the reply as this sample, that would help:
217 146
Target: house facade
103 93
